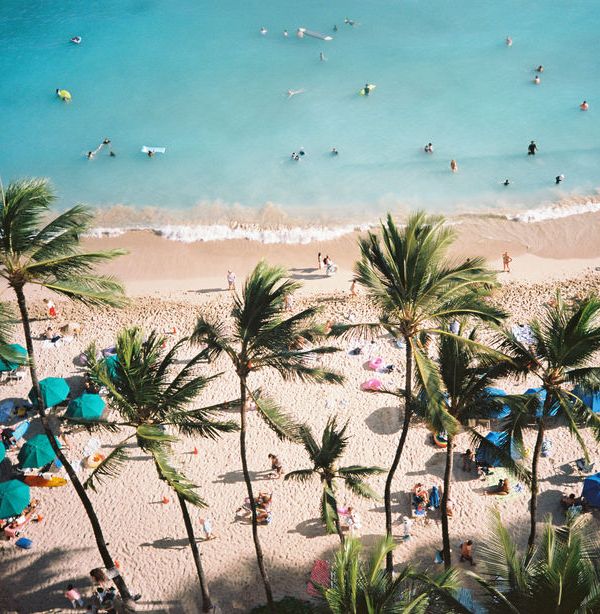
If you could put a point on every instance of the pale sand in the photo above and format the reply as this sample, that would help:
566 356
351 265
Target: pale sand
148 537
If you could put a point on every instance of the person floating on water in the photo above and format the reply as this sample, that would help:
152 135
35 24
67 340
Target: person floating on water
428 148
454 166
291 93
537 80
584 106
540 68
64 95
532 148
559 178
76 40
349 22
509 41
263 31
334 151
286 33
506 182
150 153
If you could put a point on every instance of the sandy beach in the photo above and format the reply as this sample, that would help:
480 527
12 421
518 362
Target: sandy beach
172 283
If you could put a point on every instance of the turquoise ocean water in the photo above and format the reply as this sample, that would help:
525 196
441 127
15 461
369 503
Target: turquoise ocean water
198 78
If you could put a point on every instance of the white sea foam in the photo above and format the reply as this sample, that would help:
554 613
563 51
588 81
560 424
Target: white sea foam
222 232
554 212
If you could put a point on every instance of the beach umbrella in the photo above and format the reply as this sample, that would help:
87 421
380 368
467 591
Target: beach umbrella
14 498
55 390
504 411
111 363
87 407
591 399
10 365
2 452
591 490
540 393
485 454
37 452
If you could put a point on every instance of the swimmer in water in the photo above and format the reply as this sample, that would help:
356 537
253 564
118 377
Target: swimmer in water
584 106
334 151
559 178
540 68
291 93
537 80
286 33
90 155
367 89
453 166
263 31
428 148
301 151
335 28
506 182
322 57
150 154
508 41
531 148
76 40
349 22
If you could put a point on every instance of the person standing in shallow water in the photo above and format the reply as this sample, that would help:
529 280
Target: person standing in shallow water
453 166
532 148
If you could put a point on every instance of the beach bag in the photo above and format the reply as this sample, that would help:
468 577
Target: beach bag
24 542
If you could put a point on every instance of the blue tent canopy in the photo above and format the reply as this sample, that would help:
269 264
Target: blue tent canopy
591 490
591 399
504 411
486 456
540 393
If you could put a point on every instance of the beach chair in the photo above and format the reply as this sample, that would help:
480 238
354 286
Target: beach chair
16 375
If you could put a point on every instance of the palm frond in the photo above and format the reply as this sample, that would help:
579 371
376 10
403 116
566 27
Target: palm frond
360 488
110 467
299 475
278 421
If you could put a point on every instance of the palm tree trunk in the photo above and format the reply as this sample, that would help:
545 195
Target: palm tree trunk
336 520
389 559
87 504
534 475
445 497
206 602
259 553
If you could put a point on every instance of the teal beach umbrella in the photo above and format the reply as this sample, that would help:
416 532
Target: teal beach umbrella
37 452
20 354
55 390
2 452
14 498
87 407
111 363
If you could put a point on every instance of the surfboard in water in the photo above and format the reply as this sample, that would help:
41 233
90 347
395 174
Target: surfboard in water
145 149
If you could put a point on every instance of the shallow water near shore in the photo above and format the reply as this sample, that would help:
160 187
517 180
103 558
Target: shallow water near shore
199 79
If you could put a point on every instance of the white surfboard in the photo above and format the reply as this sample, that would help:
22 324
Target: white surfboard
145 149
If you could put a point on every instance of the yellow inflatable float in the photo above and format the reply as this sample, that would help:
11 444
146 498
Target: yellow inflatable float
94 460
64 95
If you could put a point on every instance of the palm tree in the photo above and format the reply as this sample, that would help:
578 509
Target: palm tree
359 588
418 290
560 575
325 460
36 250
261 338
560 356
465 372
151 398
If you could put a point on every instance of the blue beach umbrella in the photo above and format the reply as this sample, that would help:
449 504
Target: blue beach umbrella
485 454
14 498
540 393
591 399
21 358
86 407
37 452
55 390
504 411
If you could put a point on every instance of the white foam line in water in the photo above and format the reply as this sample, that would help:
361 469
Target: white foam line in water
554 212
222 232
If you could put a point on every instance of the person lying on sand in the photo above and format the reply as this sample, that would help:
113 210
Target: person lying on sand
502 488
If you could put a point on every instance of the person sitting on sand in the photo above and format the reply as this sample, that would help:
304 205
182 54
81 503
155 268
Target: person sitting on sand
99 578
466 552
51 335
420 495
502 488
468 459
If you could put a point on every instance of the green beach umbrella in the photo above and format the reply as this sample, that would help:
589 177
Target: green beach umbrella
87 407
2 452
111 363
20 354
55 390
37 452
14 498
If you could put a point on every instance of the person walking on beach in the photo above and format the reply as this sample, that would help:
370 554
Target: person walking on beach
532 148
51 308
353 288
319 261
506 260
453 166
207 527
231 280
466 552
74 596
